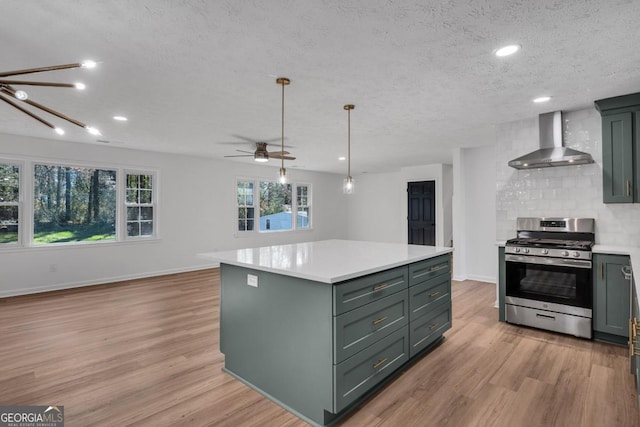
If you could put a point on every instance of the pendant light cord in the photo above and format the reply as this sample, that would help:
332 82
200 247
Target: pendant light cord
349 144
282 141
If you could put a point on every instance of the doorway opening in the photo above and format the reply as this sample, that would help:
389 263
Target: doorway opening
421 213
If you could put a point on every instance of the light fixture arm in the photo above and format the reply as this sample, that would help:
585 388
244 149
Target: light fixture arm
40 69
349 107
50 84
27 112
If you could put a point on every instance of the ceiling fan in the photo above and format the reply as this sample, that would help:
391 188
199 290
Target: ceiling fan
262 155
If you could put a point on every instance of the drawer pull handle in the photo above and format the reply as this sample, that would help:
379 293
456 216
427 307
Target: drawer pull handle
379 287
634 350
435 294
628 188
380 320
432 327
379 363
545 316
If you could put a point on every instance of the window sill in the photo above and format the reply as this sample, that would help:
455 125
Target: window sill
245 234
78 245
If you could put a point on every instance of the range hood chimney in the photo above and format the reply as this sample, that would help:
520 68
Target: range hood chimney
552 151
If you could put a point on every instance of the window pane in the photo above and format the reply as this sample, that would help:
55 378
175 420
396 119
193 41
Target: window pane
145 196
8 224
9 183
146 228
303 217
140 205
133 229
73 204
275 206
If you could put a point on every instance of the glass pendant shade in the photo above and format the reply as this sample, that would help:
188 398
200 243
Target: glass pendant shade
347 185
283 176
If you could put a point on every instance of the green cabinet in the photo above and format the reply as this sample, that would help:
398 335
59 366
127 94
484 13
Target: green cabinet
611 298
620 148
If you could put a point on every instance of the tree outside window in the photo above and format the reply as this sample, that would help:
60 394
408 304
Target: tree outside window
73 204
9 204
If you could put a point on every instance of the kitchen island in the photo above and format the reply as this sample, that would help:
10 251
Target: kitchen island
319 326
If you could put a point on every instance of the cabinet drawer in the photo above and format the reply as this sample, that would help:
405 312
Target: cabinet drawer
427 329
357 329
358 292
428 269
358 374
426 295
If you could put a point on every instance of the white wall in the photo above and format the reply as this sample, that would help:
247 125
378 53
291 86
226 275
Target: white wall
574 191
475 256
378 208
196 213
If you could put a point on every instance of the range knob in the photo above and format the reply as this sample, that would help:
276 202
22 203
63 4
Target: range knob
545 251
576 254
525 250
517 249
564 253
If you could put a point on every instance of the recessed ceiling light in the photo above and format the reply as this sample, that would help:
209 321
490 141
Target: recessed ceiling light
507 50
542 99
342 158
120 118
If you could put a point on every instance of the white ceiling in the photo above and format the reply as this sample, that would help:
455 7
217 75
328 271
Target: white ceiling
193 74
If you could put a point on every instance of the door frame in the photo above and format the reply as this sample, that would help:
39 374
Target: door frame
438 208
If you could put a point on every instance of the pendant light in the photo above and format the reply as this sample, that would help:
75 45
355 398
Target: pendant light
347 187
283 172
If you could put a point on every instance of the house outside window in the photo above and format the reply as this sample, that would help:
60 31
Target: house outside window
9 204
277 208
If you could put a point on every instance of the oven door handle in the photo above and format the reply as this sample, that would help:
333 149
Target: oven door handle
562 262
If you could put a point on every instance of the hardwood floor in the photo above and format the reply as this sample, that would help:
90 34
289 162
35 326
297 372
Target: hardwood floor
145 353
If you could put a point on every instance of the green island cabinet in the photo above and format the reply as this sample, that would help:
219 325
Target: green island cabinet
620 148
320 349
611 298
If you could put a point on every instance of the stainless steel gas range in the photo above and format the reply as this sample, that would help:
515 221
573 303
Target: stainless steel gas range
549 275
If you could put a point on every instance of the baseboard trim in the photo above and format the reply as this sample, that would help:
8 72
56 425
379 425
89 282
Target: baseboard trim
101 281
477 278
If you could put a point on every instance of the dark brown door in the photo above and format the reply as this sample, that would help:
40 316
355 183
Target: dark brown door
422 213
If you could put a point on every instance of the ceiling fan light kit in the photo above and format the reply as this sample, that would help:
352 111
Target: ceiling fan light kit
8 93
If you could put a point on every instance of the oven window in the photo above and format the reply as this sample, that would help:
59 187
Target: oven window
556 284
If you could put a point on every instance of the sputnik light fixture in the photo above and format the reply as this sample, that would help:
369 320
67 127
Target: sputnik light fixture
283 172
8 93
347 187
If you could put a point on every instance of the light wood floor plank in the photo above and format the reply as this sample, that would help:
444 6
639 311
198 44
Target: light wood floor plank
145 353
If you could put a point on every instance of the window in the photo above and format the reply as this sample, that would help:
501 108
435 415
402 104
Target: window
245 205
73 204
275 204
303 203
139 204
9 204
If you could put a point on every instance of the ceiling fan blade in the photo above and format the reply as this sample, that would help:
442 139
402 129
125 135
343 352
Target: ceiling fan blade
278 152
254 140
244 151
241 155
280 156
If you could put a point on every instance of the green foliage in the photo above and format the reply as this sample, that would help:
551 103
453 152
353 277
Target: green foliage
274 198
65 198
76 233
8 237
9 183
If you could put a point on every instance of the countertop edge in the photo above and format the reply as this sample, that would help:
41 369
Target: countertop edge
440 250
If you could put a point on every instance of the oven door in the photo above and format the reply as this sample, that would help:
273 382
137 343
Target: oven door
555 280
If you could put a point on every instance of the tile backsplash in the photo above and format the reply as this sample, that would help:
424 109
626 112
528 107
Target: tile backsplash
567 191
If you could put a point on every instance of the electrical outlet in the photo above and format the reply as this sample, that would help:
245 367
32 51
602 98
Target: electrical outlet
252 280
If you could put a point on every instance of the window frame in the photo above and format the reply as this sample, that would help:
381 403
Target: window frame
27 164
256 206
122 225
20 203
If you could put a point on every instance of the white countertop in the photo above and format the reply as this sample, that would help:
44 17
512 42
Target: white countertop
327 261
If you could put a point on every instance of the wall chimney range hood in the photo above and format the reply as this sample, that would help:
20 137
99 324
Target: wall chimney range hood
552 151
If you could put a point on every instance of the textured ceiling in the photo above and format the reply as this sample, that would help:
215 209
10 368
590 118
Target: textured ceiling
191 75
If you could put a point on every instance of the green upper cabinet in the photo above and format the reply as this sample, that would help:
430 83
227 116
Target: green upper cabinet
620 148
